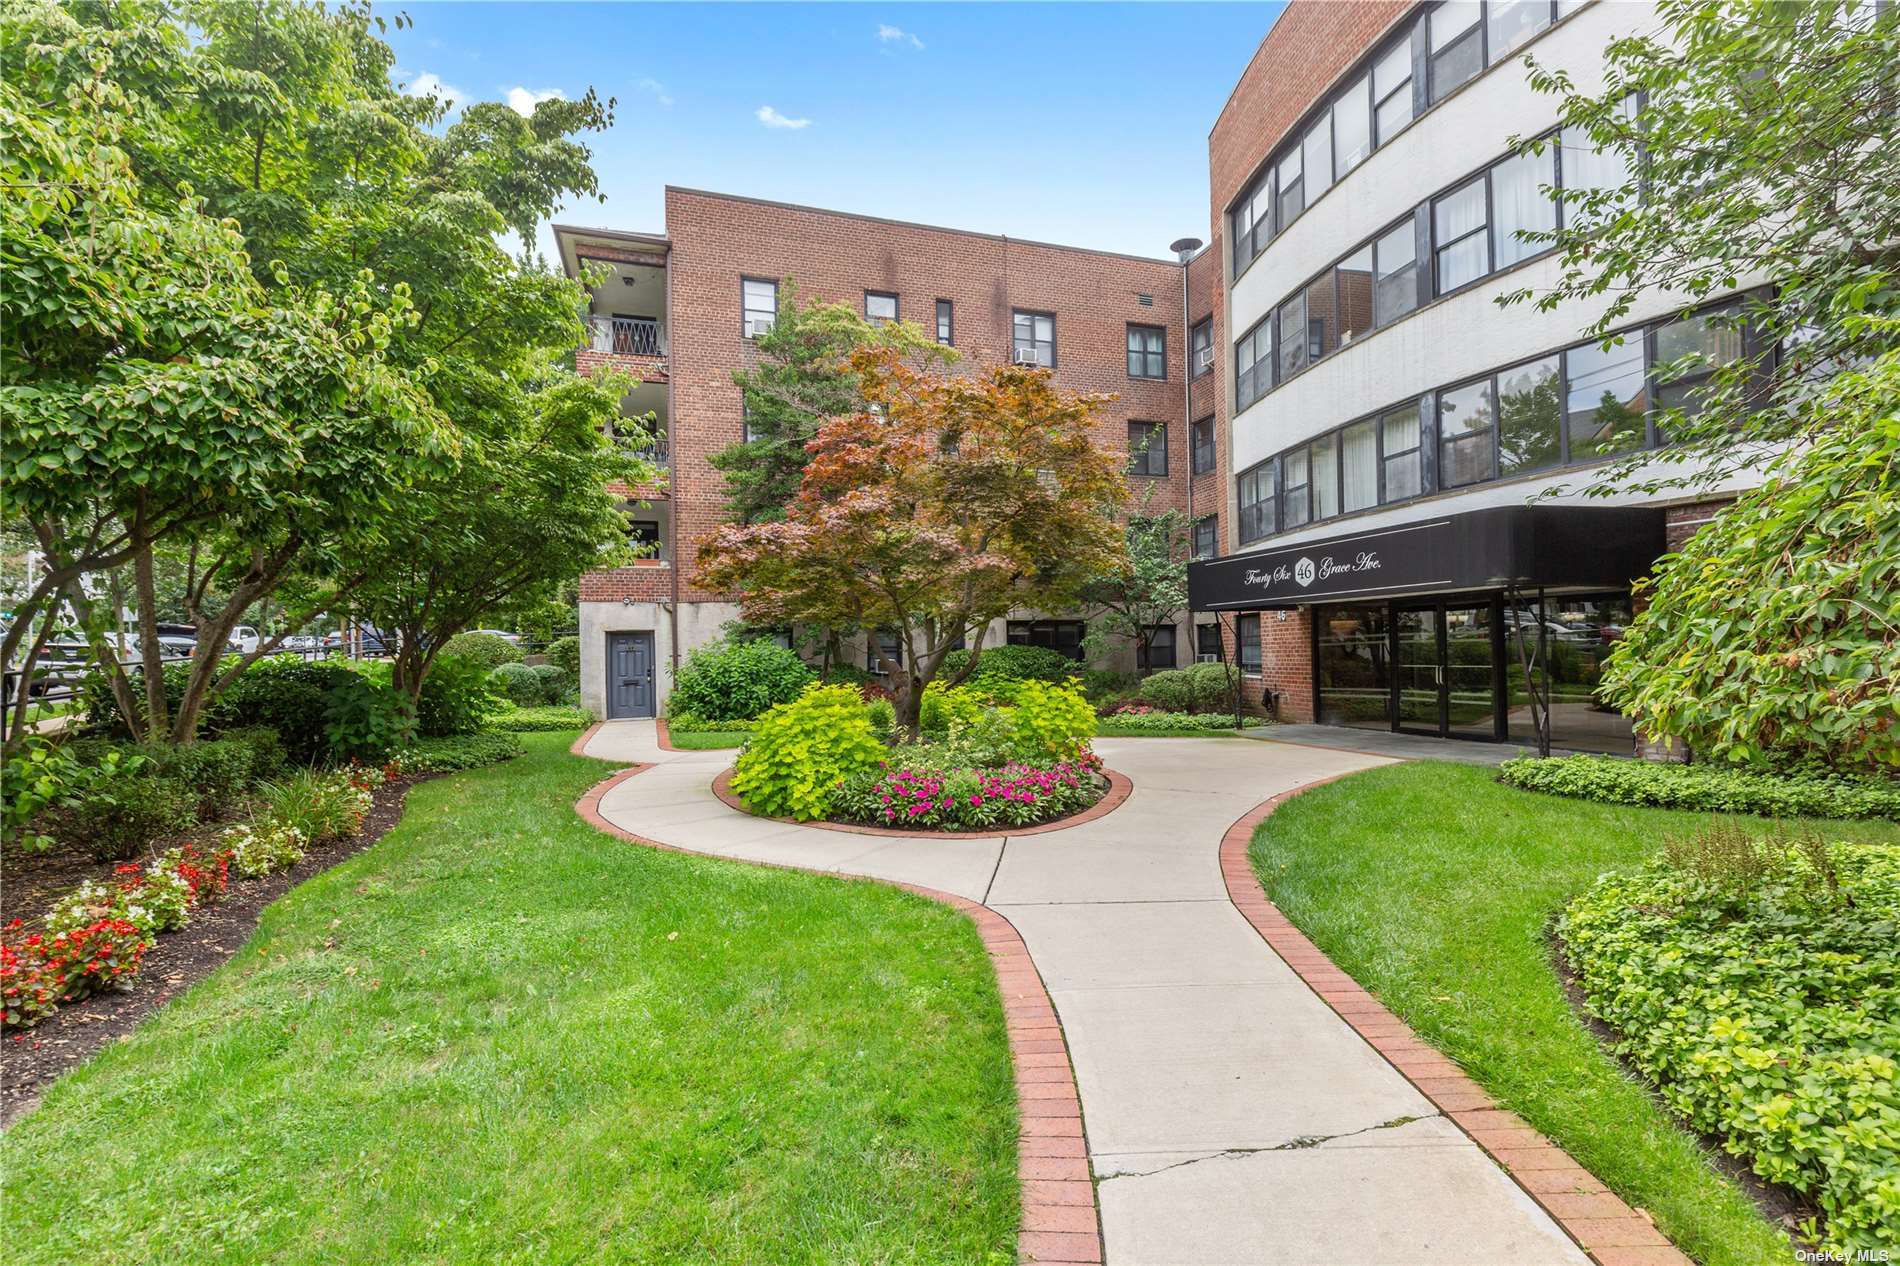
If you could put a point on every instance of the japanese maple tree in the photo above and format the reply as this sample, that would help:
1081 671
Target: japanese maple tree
942 505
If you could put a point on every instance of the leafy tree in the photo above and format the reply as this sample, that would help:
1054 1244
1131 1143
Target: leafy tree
944 503
1760 144
1150 586
803 376
1775 633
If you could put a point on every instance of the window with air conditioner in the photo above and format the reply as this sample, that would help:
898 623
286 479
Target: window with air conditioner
758 305
1033 338
1201 346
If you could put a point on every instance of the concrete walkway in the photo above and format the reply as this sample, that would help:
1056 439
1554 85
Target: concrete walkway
1231 1116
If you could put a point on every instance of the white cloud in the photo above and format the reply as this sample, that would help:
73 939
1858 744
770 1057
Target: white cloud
657 90
431 85
897 35
772 118
524 100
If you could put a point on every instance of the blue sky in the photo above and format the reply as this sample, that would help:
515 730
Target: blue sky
1084 124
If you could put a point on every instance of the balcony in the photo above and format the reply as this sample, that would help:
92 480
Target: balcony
628 336
654 452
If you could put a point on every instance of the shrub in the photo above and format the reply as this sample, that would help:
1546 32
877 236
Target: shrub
565 654
555 682
882 714
1758 987
946 709
1016 663
1170 722
690 723
848 675
736 681
1101 685
266 748
1051 720
368 720
258 848
38 973
1196 688
487 649
455 698
122 812
802 750
535 720
905 793
35 779
321 804
289 695
464 751
1706 788
101 706
216 771
517 684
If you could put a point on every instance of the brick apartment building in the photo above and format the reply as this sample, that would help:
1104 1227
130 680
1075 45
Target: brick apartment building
1384 468
680 309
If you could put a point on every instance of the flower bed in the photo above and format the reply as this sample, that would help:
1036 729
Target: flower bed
1708 788
967 798
1757 984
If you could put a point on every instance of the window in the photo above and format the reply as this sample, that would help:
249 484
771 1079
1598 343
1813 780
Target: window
946 322
1325 471
1395 274
1352 282
1318 157
1392 90
1293 344
1254 494
1457 45
758 303
750 433
1514 21
1056 635
1604 400
1201 433
1205 530
1247 635
1159 652
1034 338
880 307
1207 643
1519 203
1399 453
645 533
1458 231
1253 364
1359 466
1253 221
1322 319
1201 346
1587 169
1296 492
1530 436
1147 448
1292 198
1147 352
1689 351
1352 126
879 646
1464 430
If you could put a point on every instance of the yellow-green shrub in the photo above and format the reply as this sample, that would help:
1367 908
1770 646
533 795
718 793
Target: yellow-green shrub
801 751
1052 720
947 709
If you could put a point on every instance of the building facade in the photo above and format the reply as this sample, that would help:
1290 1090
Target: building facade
1407 544
1384 468
682 309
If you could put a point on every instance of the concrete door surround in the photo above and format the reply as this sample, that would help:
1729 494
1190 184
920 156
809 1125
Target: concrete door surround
1197 1082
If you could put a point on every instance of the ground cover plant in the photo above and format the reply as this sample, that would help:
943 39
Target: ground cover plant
1160 724
1710 788
536 719
615 1053
1756 981
1434 886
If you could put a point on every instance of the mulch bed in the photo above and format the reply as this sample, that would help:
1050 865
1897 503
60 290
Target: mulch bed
31 1060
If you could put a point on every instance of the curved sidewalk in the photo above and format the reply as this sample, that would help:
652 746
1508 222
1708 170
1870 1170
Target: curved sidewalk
1231 1115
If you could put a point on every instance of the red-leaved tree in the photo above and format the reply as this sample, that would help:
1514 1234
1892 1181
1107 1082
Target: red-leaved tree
948 502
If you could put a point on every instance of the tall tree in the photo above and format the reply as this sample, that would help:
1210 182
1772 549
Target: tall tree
1149 588
803 376
943 504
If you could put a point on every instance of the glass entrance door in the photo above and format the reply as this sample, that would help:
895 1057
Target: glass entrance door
1421 670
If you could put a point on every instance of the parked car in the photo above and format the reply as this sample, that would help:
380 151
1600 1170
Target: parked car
304 643
513 639
244 639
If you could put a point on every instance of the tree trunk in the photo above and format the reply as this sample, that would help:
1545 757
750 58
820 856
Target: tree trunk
150 652
907 697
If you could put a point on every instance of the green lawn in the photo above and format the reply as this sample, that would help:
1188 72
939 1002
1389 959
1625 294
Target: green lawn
1433 886
501 1036
706 740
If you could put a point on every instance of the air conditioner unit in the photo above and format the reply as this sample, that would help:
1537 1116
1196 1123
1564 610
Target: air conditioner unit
1203 359
1207 659
1028 356
755 326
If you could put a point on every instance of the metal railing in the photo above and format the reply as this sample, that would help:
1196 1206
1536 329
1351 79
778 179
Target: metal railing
629 336
656 452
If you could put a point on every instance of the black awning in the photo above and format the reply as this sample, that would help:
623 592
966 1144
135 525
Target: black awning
1568 547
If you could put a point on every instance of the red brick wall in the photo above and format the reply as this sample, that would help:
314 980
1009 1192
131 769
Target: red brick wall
646 581
1310 44
1682 522
837 257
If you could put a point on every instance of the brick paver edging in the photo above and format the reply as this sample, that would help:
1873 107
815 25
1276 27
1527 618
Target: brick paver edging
1060 1220
1118 789
1609 1231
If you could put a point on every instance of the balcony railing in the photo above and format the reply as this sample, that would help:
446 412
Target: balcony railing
629 336
654 452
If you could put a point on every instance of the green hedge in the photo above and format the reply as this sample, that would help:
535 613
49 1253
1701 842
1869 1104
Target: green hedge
1168 722
1758 987
1017 663
736 681
538 720
1704 788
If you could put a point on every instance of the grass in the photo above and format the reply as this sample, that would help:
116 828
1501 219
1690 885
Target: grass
502 1036
1433 885
706 740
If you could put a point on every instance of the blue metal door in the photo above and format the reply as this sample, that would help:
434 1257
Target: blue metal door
629 675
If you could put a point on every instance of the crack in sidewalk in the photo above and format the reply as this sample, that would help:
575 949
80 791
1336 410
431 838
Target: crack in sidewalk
1295 1144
